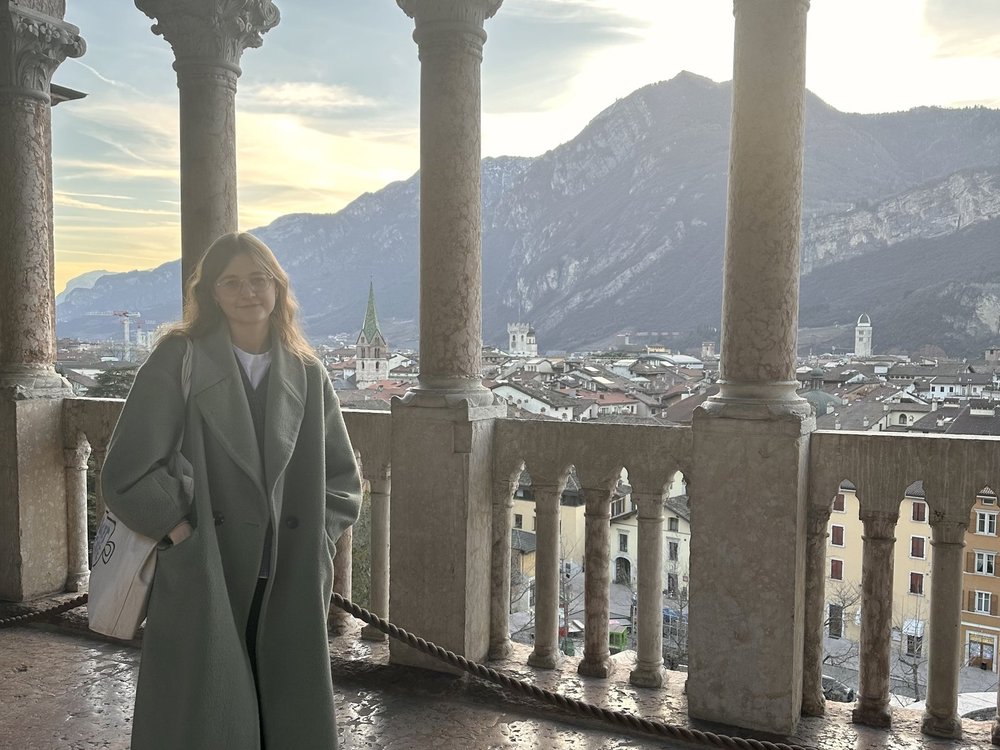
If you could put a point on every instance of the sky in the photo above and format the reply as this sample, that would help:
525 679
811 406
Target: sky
327 108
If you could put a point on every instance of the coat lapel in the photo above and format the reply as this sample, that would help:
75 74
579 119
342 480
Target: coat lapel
286 396
218 391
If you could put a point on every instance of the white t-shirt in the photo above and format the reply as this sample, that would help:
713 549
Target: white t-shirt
254 365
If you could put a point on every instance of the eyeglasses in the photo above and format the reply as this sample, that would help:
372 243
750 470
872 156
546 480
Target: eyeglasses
233 285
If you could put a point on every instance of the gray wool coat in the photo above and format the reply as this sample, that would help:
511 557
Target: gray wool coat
196 689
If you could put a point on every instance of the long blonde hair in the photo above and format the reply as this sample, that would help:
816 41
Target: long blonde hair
202 314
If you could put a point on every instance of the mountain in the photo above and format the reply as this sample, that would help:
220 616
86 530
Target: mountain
83 281
623 227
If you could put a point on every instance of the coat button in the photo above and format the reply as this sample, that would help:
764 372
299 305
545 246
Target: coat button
219 518
292 522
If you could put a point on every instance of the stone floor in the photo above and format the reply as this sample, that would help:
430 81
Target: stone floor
60 688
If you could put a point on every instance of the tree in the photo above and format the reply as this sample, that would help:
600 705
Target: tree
113 383
910 664
842 597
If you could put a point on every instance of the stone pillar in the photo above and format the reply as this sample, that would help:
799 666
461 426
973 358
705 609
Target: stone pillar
648 670
546 654
442 431
34 41
596 660
876 618
379 495
450 37
813 700
77 546
751 441
208 38
941 708
343 571
503 524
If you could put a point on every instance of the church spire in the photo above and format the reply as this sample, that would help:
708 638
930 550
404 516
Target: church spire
370 327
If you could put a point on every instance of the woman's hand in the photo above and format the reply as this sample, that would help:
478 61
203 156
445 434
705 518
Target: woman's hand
180 532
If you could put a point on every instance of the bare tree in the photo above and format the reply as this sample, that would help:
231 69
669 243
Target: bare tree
843 597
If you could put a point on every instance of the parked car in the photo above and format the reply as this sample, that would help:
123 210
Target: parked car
835 690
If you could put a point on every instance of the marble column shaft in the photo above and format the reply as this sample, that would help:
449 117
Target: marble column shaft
546 651
878 541
947 567
32 46
761 278
648 670
208 38
596 660
813 700
450 36
343 570
379 497
500 570
77 546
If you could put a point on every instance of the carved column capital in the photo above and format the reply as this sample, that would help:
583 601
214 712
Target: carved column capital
214 32
443 25
35 45
468 11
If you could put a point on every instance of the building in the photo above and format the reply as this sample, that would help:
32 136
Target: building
980 627
372 358
863 337
521 340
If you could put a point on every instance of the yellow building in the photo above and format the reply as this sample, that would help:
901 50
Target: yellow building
571 519
981 585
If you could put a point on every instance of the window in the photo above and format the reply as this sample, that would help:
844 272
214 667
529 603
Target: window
835 622
917 584
917 546
919 512
837 536
837 570
623 542
534 524
988 500
672 550
672 523
518 521
986 563
914 645
983 602
838 502
986 523
671 584
902 419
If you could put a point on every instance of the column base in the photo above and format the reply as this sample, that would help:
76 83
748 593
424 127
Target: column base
596 667
654 676
872 714
77 583
547 659
369 633
949 727
338 622
22 383
812 706
995 732
501 650
436 392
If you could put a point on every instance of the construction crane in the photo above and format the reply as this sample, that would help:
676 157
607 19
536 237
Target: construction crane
125 316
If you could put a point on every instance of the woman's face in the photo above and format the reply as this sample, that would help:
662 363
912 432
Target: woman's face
245 292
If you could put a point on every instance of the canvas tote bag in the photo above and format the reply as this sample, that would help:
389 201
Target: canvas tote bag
123 562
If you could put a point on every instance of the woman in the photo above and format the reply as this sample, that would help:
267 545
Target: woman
235 651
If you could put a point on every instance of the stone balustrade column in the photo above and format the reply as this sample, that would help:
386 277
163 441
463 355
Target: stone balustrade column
500 570
545 654
450 36
813 700
648 670
32 46
99 452
755 431
77 547
379 496
208 38
596 660
878 539
947 565
343 571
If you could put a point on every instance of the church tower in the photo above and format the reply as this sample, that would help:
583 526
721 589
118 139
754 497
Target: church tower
372 351
522 340
863 337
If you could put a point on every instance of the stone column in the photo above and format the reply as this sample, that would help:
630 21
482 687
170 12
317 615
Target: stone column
442 431
648 670
755 432
34 41
941 708
813 700
208 38
99 452
450 37
343 570
546 654
596 660
77 546
876 618
503 524
379 544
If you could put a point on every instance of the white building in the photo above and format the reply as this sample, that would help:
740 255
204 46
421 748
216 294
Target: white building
863 337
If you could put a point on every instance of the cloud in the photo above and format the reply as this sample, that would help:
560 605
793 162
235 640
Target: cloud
302 96
964 28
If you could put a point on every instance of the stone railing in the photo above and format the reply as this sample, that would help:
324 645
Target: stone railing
954 469
598 452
